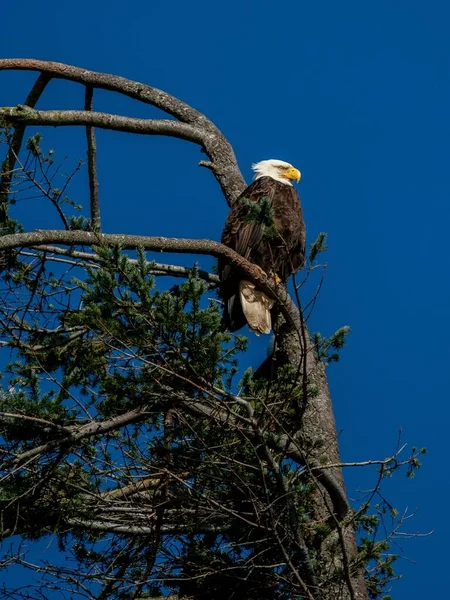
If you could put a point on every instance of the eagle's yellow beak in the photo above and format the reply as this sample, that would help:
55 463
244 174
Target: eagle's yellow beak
293 174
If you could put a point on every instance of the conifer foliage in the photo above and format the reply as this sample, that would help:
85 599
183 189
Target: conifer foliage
128 432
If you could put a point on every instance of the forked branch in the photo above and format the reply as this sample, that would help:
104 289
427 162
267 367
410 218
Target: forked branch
216 146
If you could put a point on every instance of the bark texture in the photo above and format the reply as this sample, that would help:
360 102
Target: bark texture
318 431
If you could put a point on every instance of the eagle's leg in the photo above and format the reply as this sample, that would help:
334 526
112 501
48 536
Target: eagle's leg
273 276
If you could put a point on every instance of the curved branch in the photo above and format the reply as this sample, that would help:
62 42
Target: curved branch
215 144
114 83
330 483
125 241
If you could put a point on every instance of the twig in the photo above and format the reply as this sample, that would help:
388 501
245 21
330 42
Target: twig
16 143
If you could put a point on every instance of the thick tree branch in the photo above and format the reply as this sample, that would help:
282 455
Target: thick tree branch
133 89
215 144
136 530
24 115
158 244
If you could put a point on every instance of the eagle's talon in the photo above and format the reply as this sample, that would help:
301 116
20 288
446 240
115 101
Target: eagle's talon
276 279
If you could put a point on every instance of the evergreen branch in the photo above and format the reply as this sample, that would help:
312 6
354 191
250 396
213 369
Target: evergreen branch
44 423
157 268
78 433
281 443
160 244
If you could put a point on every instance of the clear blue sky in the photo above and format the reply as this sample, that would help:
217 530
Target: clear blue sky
356 94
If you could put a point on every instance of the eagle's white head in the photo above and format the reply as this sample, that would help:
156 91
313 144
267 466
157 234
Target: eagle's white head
277 169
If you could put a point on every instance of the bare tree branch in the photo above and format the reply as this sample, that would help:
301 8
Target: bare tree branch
133 89
216 146
92 163
24 115
16 143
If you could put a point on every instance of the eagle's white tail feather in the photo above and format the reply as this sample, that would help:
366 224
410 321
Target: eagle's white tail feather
256 307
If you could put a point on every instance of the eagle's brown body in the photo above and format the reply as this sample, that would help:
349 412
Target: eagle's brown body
281 255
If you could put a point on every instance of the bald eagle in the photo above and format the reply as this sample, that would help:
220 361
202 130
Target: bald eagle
265 225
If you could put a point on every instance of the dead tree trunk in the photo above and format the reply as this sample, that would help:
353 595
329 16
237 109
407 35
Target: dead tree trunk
318 437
